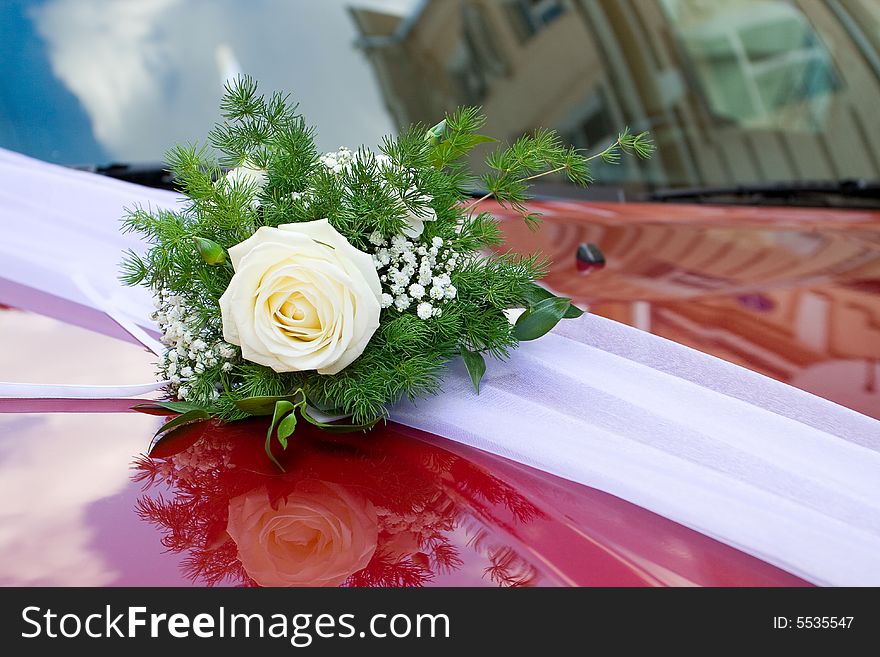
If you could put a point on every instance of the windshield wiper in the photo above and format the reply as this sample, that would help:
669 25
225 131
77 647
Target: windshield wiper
832 193
148 174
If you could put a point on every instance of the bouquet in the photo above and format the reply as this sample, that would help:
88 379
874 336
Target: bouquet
307 287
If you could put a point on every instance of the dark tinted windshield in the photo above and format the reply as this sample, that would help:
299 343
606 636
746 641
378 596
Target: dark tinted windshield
734 91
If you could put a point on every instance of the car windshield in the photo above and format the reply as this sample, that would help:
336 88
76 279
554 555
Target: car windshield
734 92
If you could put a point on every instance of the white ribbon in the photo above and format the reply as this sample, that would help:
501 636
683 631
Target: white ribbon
776 472
65 391
107 307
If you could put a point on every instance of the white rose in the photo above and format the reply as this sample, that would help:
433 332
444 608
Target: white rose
247 174
302 298
415 223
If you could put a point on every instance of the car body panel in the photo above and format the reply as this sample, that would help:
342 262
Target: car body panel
793 293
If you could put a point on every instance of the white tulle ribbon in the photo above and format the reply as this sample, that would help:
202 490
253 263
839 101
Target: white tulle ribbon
108 308
772 470
776 472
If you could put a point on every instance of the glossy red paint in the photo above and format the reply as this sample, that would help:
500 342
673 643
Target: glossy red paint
791 293
445 514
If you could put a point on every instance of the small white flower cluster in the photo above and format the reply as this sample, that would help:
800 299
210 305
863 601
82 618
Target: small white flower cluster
206 457
192 464
418 521
305 197
338 161
188 355
413 273
342 159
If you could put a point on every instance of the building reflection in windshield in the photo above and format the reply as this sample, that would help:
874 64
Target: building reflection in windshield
733 92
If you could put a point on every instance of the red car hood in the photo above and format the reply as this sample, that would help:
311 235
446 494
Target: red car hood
770 289
791 293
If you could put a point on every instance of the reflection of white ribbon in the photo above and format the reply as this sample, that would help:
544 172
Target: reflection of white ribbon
65 391
69 391
776 472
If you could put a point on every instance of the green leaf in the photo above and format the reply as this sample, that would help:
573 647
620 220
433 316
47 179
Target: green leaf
573 312
195 415
337 428
532 220
540 318
177 440
476 140
448 151
266 405
325 407
535 294
177 407
476 366
286 428
281 408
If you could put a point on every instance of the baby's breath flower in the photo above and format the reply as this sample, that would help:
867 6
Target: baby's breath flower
410 271
190 352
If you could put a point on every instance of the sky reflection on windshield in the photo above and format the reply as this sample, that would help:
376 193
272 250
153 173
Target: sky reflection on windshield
151 74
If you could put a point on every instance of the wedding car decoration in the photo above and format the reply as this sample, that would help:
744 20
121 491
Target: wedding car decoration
302 286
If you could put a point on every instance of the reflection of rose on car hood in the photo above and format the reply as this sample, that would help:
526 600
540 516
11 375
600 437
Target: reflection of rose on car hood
349 512
318 535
